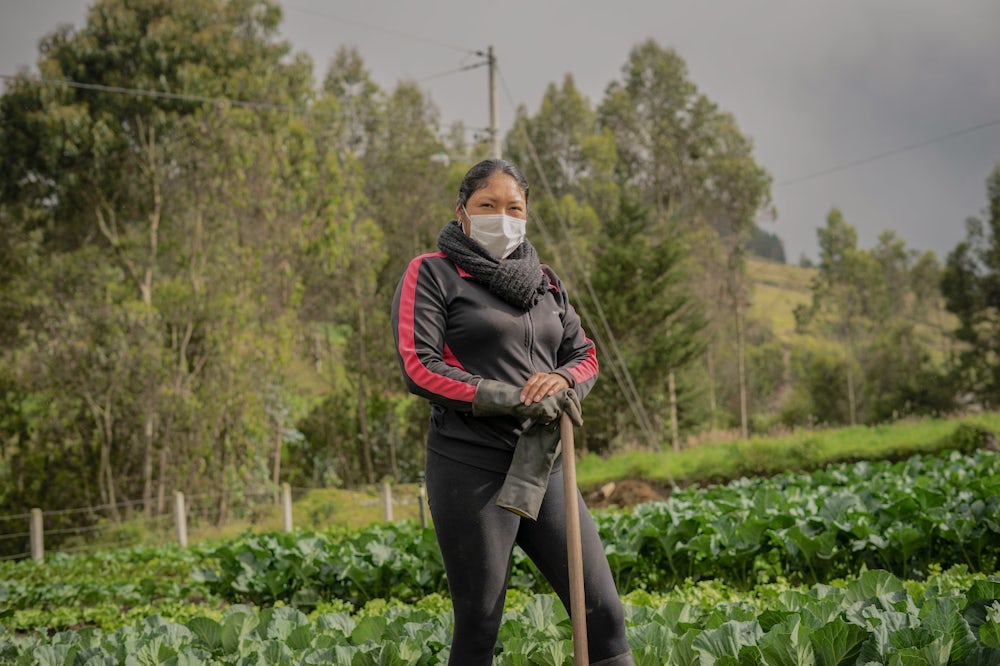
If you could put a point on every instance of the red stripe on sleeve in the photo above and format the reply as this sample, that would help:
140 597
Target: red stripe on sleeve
419 373
586 368
449 357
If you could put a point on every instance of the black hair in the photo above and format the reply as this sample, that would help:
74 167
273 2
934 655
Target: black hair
476 177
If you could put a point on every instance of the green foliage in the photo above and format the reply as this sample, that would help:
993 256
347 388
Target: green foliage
195 295
867 302
871 618
641 283
971 288
766 245
903 517
382 561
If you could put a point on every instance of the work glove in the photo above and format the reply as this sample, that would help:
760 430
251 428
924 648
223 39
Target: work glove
495 398
528 476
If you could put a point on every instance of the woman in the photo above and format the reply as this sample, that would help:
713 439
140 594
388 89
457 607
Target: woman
487 334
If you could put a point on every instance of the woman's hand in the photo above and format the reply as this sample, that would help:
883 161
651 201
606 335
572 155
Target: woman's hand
541 385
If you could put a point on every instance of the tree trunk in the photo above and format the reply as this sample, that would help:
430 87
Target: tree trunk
109 475
674 435
741 364
366 445
713 403
223 488
852 407
147 464
393 463
276 470
161 485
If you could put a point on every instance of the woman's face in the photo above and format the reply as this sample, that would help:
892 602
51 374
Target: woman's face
500 194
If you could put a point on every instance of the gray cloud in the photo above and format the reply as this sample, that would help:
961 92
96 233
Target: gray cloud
815 84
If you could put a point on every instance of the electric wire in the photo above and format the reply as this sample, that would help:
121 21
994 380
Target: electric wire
379 28
449 72
623 376
887 153
156 94
618 363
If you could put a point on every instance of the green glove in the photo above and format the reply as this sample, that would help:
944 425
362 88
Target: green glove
528 476
495 398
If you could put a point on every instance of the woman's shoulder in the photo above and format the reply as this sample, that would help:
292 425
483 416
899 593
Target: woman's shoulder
555 284
436 262
420 259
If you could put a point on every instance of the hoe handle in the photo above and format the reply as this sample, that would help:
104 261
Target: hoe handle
574 546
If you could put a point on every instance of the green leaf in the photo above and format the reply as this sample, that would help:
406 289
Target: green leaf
728 639
934 653
989 632
942 616
300 638
983 656
370 628
235 624
872 584
683 652
983 589
553 653
51 655
207 630
787 644
339 623
543 613
837 643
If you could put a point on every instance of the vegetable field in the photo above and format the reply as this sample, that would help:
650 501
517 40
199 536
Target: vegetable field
866 563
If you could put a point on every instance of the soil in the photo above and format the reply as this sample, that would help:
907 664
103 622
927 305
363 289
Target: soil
628 492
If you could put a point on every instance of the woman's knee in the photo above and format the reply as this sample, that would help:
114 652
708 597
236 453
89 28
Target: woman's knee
606 631
474 638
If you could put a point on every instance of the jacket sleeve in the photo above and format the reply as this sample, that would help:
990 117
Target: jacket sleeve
418 321
577 355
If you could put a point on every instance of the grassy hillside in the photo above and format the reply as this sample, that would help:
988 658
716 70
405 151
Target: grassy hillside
777 289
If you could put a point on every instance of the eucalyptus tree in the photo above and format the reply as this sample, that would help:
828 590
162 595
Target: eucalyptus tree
839 297
863 302
971 287
623 282
695 169
394 138
179 217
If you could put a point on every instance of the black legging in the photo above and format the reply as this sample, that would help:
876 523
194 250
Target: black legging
477 538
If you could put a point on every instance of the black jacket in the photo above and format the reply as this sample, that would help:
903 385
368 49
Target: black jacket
451 332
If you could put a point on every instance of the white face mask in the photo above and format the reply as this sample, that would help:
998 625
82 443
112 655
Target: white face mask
499 233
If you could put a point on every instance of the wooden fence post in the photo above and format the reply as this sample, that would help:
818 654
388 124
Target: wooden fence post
387 499
37 536
422 498
180 517
286 506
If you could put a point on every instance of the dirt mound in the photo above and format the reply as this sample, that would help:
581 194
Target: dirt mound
625 493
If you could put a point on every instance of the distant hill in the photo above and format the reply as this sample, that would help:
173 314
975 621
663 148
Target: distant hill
777 288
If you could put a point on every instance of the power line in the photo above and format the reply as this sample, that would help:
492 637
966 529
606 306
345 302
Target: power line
379 28
452 71
887 153
617 364
158 94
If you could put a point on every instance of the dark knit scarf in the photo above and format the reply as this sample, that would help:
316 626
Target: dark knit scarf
518 279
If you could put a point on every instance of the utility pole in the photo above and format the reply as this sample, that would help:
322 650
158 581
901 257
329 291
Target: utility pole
494 114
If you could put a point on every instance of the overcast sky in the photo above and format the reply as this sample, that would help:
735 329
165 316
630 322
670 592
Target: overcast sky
816 85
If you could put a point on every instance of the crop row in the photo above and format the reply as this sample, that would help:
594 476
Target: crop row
901 517
870 619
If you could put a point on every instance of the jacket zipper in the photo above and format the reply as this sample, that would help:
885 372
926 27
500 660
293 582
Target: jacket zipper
529 340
